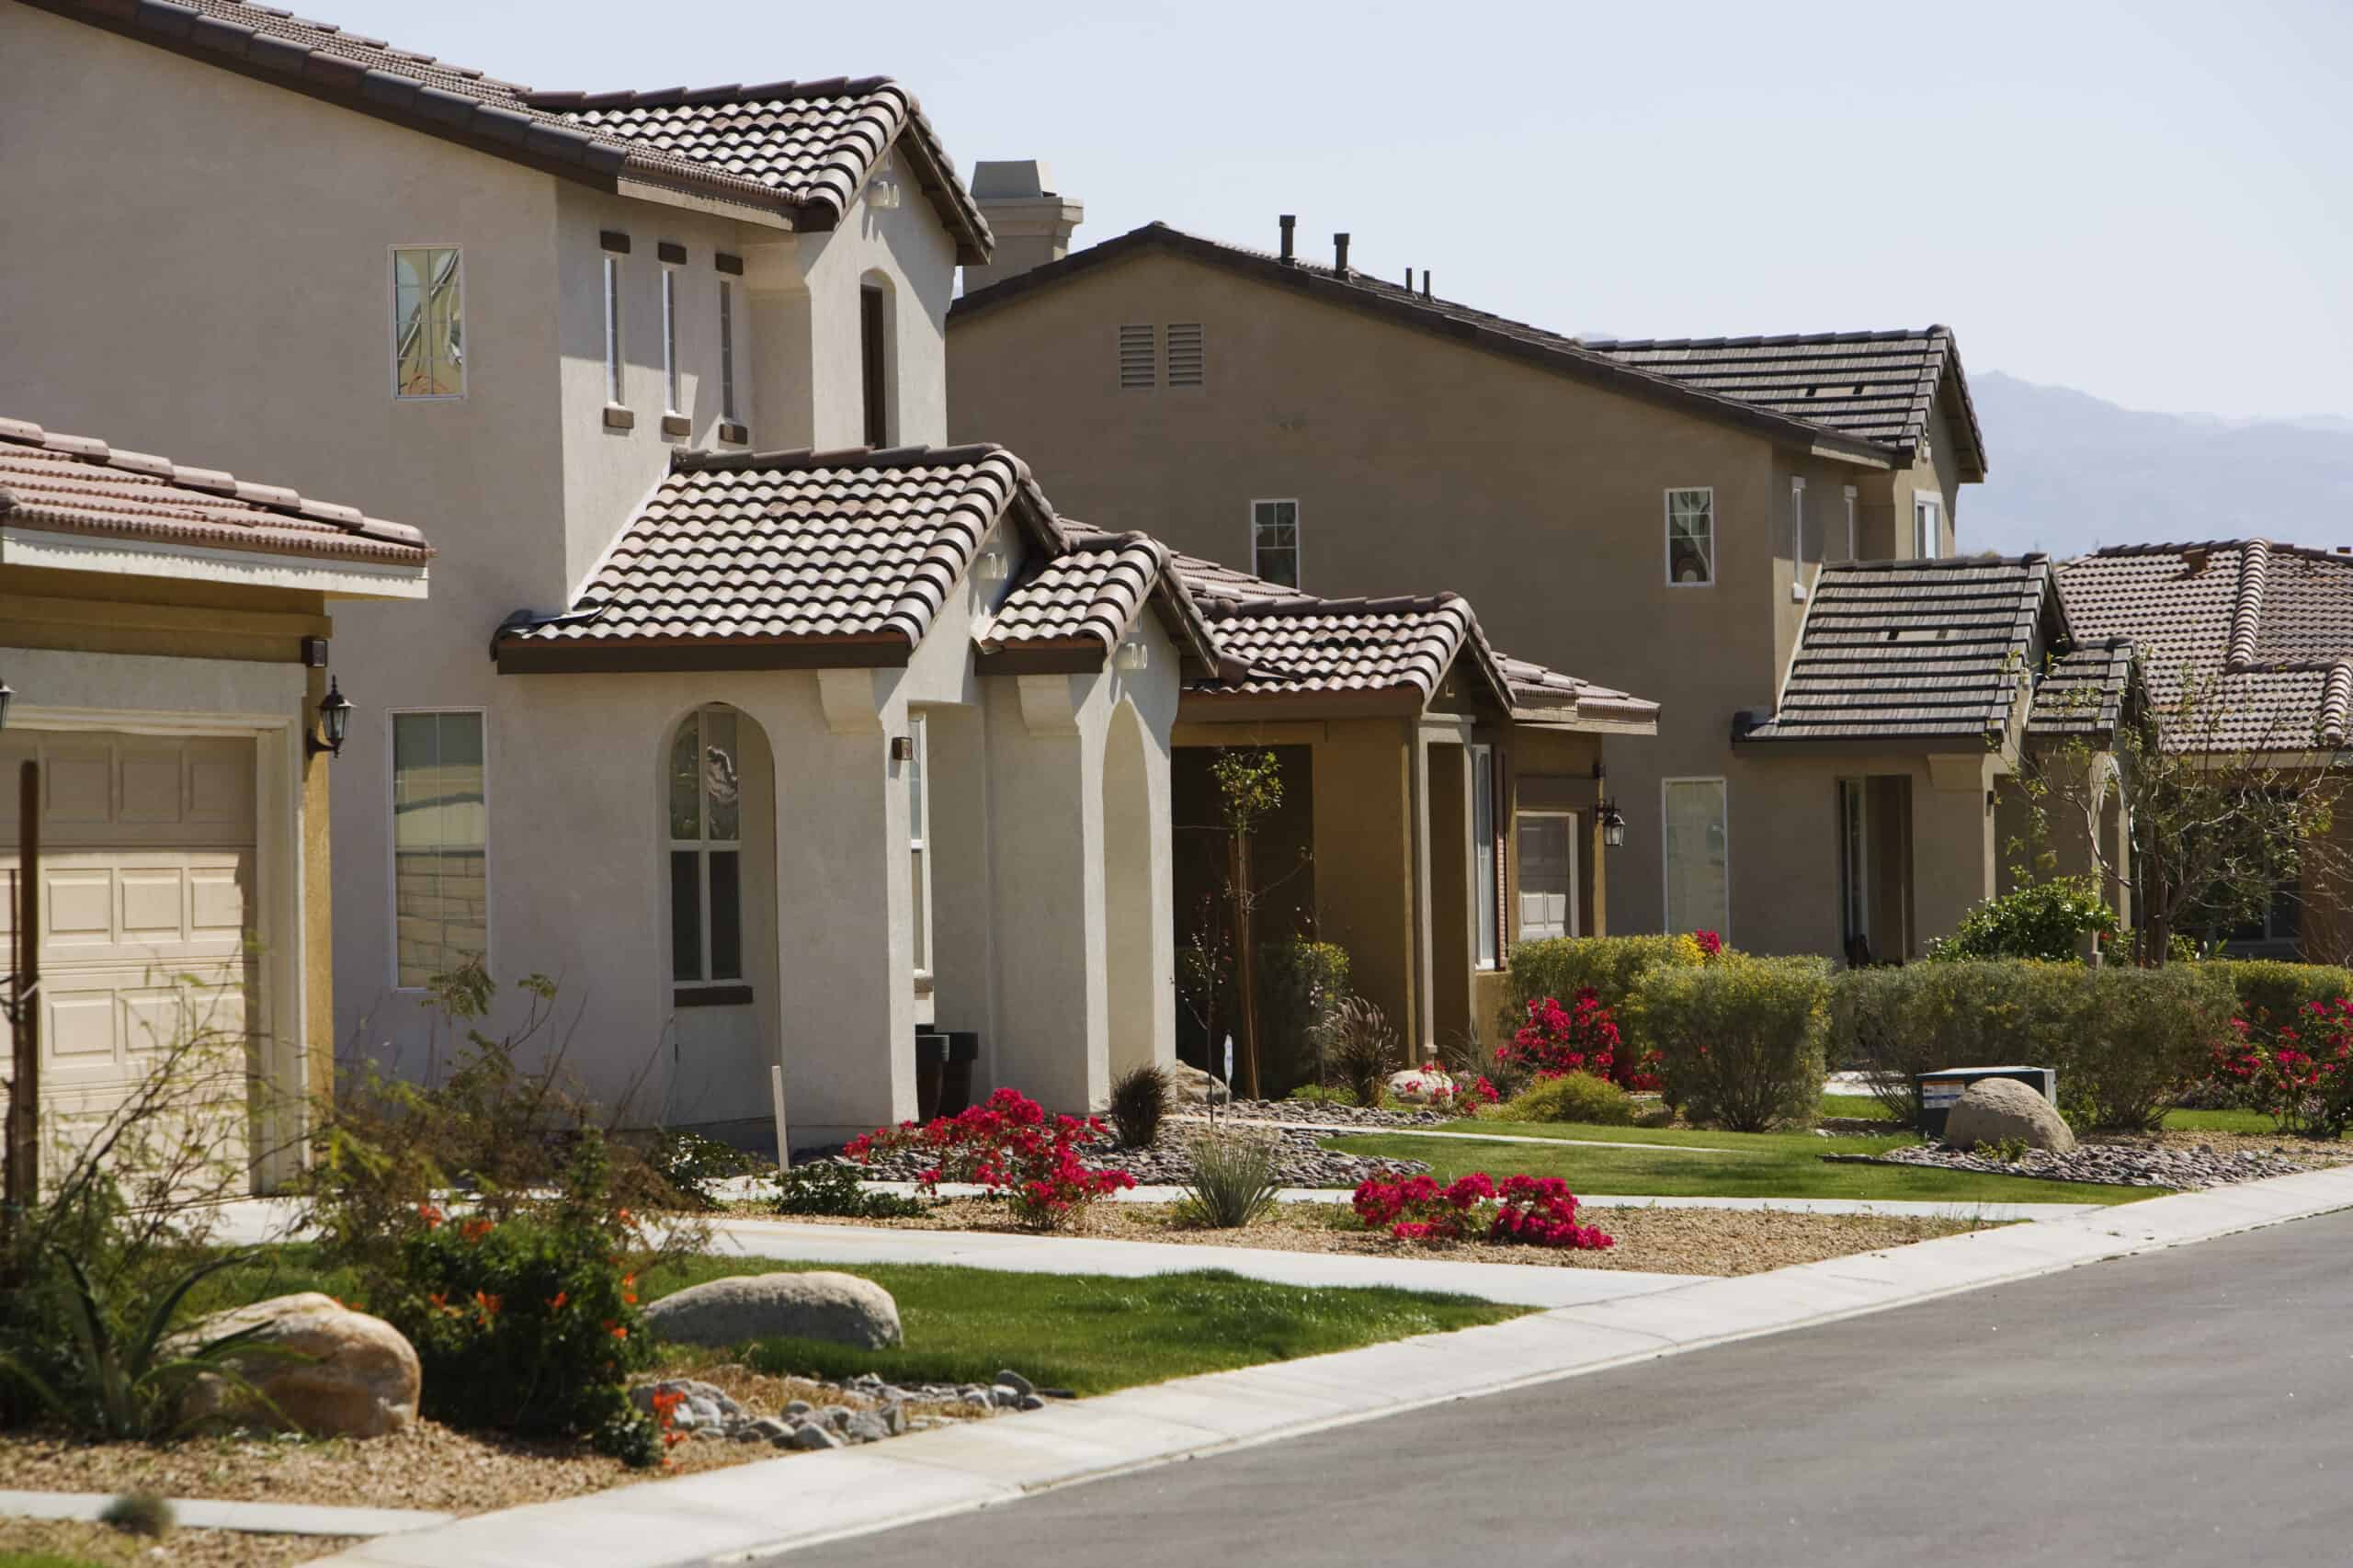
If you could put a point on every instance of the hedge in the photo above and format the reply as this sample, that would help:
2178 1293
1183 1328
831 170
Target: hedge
1298 980
1741 1037
1613 966
2273 994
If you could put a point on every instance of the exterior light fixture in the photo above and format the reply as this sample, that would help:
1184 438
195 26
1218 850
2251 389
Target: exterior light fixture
1613 826
6 696
335 723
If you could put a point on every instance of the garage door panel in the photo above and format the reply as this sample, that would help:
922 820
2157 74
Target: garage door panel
80 786
77 908
154 900
151 786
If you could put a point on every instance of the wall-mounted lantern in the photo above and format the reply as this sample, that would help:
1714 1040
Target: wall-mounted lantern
1606 811
6 696
335 723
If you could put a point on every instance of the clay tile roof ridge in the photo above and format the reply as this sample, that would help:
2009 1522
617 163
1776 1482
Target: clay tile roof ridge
786 90
704 459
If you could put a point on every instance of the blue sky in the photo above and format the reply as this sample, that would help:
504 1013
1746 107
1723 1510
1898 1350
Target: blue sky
2152 202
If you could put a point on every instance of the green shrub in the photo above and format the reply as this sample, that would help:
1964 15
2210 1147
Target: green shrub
694 1165
2043 920
2273 994
831 1188
1741 1037
1299 984
1360 1049
1895 1023
2139 1035
139 1513
1318 1094
1613 966
1573 1096
1235 1177
1139 1103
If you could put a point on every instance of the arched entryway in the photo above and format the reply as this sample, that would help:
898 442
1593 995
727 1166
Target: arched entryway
1131 992
716 800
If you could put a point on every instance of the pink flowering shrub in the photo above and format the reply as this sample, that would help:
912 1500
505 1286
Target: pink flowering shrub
2303 1078
1580 1038
1010 1146
1532 1211
1712 946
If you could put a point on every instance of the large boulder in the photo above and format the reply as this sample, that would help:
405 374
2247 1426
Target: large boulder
1421 1085
317 1366
2003 1110
1188 1084
841 1308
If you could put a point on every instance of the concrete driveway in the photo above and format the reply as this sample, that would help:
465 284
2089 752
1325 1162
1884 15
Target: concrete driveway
2192 1406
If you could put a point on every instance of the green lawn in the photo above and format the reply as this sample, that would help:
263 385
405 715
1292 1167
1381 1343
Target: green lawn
1758 1164
1864 1107
1087 1332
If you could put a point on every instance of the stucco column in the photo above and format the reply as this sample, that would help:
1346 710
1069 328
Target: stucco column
783 379
1953 842
1415 1027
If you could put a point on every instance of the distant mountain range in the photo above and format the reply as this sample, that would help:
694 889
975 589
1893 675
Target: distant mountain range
2069 472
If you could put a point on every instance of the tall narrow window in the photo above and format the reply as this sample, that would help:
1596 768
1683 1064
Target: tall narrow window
1699 865
671 403
919 841
1854 545
727 350
873 341
613 329
1854 870
1548 875
1138 354
1274 541
429 323
1483 852
1691 537
440 826
1927 527
1797 537
706 821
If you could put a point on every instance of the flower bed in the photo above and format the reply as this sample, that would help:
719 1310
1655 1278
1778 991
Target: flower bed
1581 1038
1529 1210
1008 1145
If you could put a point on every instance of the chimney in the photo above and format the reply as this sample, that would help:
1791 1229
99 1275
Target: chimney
1289 223
1032 221
1340 254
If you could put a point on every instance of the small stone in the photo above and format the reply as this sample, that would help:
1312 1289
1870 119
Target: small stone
1003 1398
814 1438
894 1416
1016 1382
768 1426
1031 1402
837 1416
798 1407
866 1426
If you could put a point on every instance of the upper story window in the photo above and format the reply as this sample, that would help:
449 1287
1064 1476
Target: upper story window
1853 544
673 403
1797 537
874 361
727 351
1138 355
706 831
613 384
1274 541
919 840
1927 527
1484 856
1691 537
440 829
428 321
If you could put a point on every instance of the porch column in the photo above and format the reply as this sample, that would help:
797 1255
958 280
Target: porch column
1953 842
1414 1027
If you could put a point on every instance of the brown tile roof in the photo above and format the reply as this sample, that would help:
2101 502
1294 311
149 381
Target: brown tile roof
1092 594
2271 624
1914 650
79 484
800 148
1900 372
2083 691
858 548
1301 645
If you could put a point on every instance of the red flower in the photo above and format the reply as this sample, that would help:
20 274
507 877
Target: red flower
429 1214
555 1302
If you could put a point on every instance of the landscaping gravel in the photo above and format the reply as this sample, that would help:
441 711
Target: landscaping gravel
2116 1165
1327 1115
865 1409
1166 1162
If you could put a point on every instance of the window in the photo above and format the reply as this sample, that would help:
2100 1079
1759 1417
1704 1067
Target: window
440 887
1927 527
1185 359
1691 537
671 403
1138 351
873 343
613 329
1854 547
1482 849
1548 875
429 323
919 841
1274 541
727 351
1697 864
1854 867
1797 537
706 851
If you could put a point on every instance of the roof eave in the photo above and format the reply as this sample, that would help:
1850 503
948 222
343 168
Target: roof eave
642 655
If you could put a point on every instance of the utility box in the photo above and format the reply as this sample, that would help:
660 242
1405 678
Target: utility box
1941 1090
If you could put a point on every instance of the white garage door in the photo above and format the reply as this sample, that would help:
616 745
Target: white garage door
148 919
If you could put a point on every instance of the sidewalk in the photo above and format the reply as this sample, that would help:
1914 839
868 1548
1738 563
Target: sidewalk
258 1518
772 1506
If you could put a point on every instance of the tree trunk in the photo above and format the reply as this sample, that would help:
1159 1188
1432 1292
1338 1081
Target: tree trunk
1246 966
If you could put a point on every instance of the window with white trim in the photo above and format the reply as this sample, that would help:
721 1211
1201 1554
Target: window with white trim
1854 866
1927 527
1482 849
727 350
440 861
1699 861
1797 537
706 833
1854 545
1274 541
428 321
919 840
1691 537
671 403
613 387
1547 870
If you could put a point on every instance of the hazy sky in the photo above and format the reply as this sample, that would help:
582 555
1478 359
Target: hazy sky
2150 201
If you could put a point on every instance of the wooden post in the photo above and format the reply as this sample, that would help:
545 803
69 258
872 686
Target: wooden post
24 1002
776 1099
1246 966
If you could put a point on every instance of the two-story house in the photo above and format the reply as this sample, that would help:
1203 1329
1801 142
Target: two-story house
724 714
1655 515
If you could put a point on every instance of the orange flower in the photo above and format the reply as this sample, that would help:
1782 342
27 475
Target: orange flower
474 1230
628 1299
620 1333
429 1214
439 1298
488 1303
556 1306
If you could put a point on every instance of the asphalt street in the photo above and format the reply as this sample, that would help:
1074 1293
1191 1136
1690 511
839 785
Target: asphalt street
2192 1406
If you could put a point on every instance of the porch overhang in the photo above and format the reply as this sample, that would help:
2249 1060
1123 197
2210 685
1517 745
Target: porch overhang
647 656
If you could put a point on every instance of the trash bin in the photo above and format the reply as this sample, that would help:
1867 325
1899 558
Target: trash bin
1941 1090
956 1074
931 1070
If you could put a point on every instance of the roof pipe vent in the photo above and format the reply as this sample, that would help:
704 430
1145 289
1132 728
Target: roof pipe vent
1426 282
1289 223
1340 253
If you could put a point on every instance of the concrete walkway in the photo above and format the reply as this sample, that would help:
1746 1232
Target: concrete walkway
768 1507
253 1518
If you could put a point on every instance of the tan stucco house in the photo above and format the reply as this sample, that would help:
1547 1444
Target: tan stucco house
165 641
1655 515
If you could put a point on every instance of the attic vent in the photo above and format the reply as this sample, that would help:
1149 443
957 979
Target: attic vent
1136 356
1184 354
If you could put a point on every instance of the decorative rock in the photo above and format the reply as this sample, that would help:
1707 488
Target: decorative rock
1030 1402
768 1426
1016 1381
1421 1085
1188 1084
813 1437
894 1416
840 1308
2003 1110
866 1426
322 1368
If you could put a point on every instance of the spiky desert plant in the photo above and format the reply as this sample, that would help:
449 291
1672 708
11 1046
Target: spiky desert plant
1139 1102
1235 1177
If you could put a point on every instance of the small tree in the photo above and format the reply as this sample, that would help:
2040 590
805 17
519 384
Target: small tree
1250 789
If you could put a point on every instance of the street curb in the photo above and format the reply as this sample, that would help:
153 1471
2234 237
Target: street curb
752 1512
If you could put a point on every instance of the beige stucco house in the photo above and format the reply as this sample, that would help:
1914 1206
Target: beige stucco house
722 715
165 647
1657 515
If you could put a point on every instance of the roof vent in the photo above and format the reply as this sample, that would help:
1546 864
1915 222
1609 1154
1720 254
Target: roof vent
1426 282
1340 254
1289 223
